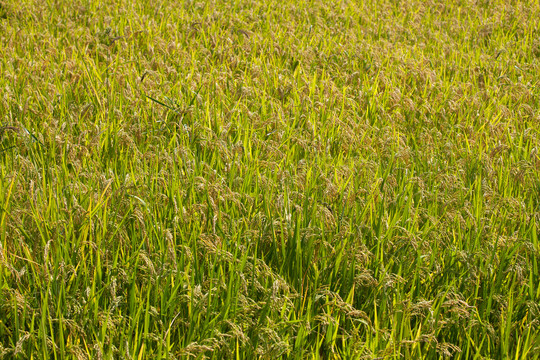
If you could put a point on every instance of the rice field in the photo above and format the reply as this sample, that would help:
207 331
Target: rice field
251 179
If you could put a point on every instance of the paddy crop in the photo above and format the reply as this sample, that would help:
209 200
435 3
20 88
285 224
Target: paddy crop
269 179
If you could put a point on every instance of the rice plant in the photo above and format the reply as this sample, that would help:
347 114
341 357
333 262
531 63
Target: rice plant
269 179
